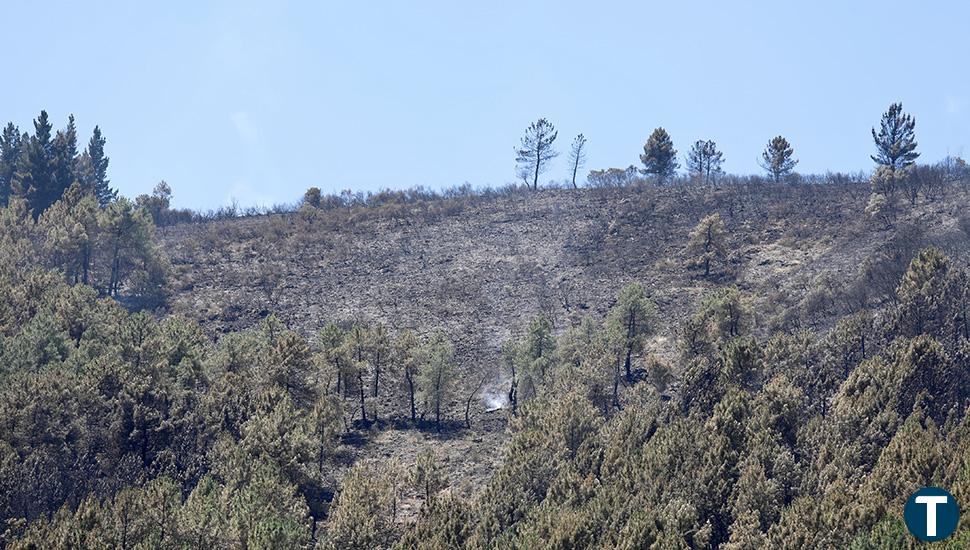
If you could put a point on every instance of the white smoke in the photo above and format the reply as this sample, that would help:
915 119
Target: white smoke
495 395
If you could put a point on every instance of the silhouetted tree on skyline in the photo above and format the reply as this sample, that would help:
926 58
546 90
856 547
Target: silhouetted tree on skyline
895 141
777 158
659 157
577 156
535 150
704 160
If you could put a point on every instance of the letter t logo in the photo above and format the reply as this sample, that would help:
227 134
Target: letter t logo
931 502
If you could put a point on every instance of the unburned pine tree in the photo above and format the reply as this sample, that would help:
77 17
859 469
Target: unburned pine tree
355 365
659 157
33 177
129 254
331 342
407 356
535 151
70 229
428 476
632 319
895 141
379 347
364 511
10 145
707 242
437 372
778 159
93 170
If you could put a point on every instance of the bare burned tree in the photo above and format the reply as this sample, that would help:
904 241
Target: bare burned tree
535 151
704 161
577 156
468 402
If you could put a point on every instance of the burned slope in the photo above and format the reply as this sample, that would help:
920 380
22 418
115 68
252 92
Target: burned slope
481 268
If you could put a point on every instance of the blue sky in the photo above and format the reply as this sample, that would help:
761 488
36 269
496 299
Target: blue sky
258 101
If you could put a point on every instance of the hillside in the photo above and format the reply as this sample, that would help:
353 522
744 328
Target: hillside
510 368
481 268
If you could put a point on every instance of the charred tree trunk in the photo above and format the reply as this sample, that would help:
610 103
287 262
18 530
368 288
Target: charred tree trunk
409 379
468 403
360 386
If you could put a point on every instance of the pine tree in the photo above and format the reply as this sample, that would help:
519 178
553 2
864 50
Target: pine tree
70 228
534 356
355 365
324 429
577 156
777 158
705 160
34 178
291 367
363 512
406 354
437 370
94 170
331 342
707 242
428 476
10 145
202 523
925 296
535 151
632 318
129 253
895 142
379 347
156 204
721 317
659 157
65 159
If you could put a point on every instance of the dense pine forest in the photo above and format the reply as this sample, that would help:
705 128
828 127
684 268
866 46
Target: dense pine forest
654 360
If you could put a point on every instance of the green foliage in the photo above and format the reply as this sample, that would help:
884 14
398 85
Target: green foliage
291 367
312 197
428 476
94 170
895 142
530 360
933 298
10 147
536 151
659 157
444 522
631 320
130 253
436 375
707 242
722 316
34 175
122 429
156 204
363 514
70 228
778 158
